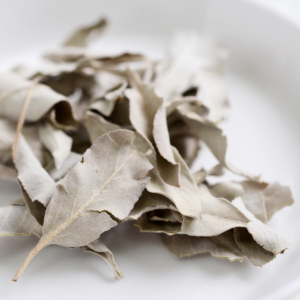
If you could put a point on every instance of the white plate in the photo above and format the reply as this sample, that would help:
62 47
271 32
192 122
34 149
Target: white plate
264 83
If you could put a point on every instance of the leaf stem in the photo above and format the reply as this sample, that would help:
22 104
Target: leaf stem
31 255
22 115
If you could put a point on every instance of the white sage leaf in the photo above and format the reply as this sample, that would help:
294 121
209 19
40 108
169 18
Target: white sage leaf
35 180
263 199
106 180
99 248
16 220
186 197
13 91
148 117
265 243
56 141
218 216
220 246
82 36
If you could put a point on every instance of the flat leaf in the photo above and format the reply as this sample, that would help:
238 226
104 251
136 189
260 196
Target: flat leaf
105 180
263 199
220 246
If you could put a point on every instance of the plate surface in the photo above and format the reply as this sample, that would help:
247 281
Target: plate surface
263 132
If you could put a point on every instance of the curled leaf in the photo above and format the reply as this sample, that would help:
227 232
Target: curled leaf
149 202
186 197
13 91
262 243
56 141
146 225
99 248
220 246
148 117
218 216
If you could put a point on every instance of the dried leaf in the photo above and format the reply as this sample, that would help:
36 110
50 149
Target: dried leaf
263 200
96 125
99 248
36 208
196 63
148 117
13 90
56 141
105 181
149 202
7 129
270 242
147 225
82 36
35 180
227 190
254 252
215 140
221 246
103 106
218 216
18 201
187 146
200 176
186 197
109 86
164 215
16 220
68 164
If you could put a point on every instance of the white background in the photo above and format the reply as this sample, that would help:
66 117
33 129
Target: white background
263 131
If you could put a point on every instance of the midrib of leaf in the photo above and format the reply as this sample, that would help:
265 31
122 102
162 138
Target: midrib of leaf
263 200
48 239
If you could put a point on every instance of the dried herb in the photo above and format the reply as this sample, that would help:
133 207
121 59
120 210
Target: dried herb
96 140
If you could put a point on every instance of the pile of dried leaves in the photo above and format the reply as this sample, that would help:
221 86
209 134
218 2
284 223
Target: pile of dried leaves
94 141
